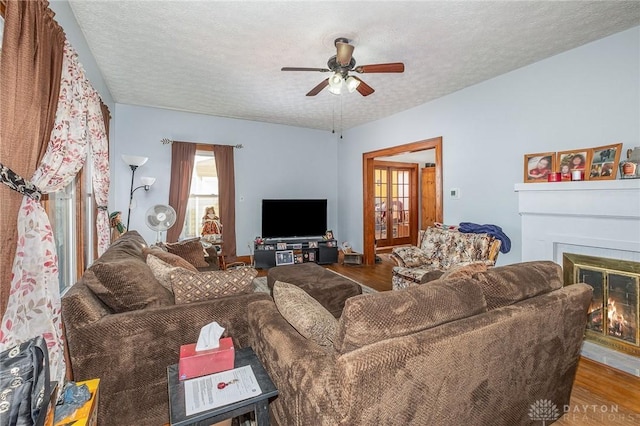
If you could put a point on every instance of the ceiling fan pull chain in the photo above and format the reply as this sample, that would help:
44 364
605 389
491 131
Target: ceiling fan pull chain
340 117
333 117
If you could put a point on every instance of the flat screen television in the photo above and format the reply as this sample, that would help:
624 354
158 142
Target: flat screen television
289 218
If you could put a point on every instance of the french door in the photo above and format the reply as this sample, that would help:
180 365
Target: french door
395 200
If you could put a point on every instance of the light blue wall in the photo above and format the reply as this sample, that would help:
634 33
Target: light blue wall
586 97
64 16
276 162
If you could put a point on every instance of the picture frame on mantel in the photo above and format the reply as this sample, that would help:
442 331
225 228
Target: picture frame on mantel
576 159
538 166
604 162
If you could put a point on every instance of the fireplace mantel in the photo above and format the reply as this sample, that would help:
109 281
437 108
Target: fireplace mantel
603 214
615 198
593 218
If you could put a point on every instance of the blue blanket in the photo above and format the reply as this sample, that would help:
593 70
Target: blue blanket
493 230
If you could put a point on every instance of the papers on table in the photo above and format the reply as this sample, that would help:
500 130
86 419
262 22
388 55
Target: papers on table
208 392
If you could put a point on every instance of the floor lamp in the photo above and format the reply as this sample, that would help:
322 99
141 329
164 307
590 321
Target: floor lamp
134 162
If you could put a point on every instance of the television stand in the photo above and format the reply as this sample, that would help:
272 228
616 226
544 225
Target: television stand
288 251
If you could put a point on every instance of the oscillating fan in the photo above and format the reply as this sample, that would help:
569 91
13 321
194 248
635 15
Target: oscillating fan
160 218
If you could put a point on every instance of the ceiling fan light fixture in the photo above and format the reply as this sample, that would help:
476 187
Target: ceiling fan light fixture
352 84
335 81
336 90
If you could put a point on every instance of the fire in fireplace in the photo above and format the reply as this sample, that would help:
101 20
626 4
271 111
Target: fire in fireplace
614 314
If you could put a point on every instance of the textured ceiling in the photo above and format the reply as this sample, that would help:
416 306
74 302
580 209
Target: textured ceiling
223 58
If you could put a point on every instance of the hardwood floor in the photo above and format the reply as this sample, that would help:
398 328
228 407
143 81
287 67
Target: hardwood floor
601 395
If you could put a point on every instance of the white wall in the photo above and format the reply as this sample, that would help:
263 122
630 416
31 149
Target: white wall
586 97
276 162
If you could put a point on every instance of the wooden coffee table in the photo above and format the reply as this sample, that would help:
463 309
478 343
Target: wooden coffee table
259 404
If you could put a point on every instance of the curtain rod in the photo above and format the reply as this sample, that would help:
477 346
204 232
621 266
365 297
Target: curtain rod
166 141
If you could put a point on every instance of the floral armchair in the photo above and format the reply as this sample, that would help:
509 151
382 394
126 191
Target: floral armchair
438 250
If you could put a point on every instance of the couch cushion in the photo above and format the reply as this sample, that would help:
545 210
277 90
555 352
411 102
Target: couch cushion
190 250
371 318
505 285
410 256
129 244
170 258
305 314
127 284
81 306
191 286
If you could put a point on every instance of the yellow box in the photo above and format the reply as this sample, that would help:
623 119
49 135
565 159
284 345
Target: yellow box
87 415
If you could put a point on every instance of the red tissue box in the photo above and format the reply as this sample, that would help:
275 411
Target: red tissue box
195 364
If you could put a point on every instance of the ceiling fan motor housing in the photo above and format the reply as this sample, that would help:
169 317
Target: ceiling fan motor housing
334 66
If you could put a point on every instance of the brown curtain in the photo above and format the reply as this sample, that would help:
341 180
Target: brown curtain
183 155
227 201
31 66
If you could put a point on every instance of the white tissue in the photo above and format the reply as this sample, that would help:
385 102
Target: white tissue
209 337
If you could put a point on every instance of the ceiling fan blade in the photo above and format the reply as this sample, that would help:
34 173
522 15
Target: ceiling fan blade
345 51
393 67
304 69
363 88
324 83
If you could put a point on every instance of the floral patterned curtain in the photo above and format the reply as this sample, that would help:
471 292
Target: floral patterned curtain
34 299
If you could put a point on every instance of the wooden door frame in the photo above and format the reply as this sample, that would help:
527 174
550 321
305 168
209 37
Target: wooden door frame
368 210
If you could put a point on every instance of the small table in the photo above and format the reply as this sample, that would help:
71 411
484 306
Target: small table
352 258
259 404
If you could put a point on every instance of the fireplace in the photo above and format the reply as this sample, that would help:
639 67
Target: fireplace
599 219
614 314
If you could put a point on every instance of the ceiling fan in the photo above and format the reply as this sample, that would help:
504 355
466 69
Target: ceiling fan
340 64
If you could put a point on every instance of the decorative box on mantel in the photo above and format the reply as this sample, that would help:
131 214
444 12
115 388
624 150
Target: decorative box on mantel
591 218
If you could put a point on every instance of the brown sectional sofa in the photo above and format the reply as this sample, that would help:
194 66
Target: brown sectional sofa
468 351
130 347
473 351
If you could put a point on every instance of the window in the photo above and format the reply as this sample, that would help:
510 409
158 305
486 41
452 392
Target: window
63 221
204 193
71 213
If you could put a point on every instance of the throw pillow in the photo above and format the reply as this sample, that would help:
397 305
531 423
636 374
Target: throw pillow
190 250
305 314
163 270
170 258
127 285
465 270
191 286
